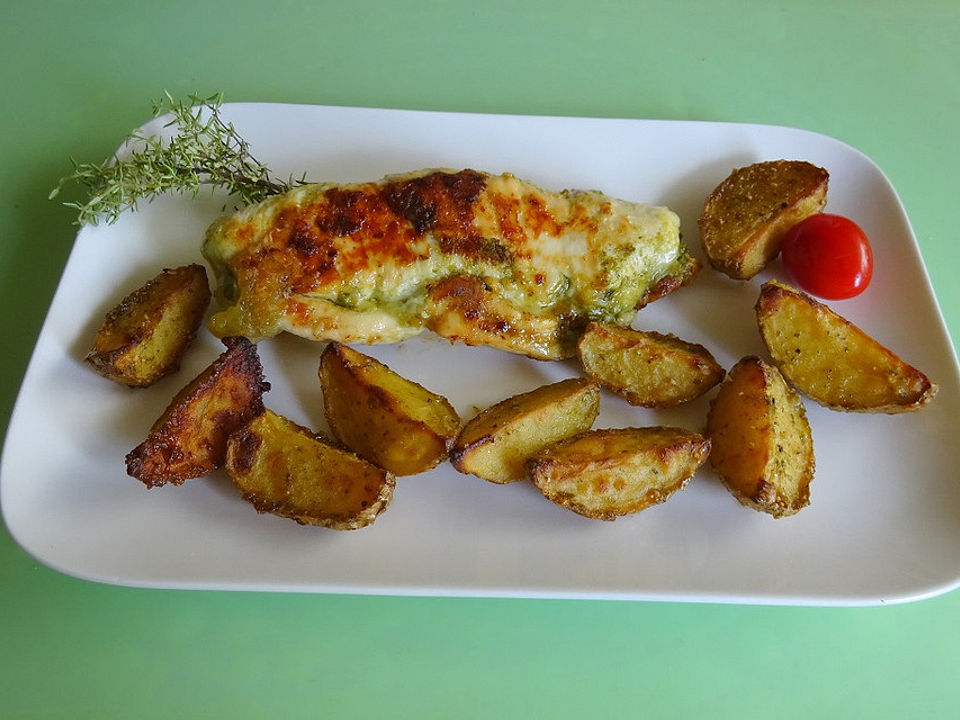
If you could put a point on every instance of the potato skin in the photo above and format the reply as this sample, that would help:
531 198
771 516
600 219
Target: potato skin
762 444
746 216
831 360
648 369
285 469
605 474
496 444
190 438
389 420
144 337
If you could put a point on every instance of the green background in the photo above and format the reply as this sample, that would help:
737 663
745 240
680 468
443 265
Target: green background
77 76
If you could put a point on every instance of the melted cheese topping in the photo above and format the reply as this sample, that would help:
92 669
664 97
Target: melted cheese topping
356 263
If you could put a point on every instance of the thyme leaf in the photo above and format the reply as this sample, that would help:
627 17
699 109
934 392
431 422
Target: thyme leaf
205 151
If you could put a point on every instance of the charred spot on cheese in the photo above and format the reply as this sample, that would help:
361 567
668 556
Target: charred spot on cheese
344 213
477 248
369 262
437 201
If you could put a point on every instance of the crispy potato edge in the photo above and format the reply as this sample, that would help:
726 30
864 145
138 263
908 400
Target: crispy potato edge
245 442
695 446
806 186
774 292
463 448
390 404
765 495
710 371
121 362
155 461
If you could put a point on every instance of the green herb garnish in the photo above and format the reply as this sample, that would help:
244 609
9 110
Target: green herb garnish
206 151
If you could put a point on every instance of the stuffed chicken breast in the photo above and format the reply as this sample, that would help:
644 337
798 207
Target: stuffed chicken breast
478 258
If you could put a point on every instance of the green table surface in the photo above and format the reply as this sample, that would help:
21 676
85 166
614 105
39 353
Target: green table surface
77 76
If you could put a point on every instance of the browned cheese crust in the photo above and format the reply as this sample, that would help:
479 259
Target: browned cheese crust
478 258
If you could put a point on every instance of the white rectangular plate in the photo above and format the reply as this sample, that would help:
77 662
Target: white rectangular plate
883 526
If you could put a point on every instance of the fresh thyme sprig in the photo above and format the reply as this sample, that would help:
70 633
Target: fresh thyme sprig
206 151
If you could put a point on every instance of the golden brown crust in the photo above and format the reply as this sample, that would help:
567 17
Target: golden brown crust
647 368
379 262
463 309
285 469
605 474
496 444
387 419
831 360
669 283
762 444
144 337
746 216
190 438
441 203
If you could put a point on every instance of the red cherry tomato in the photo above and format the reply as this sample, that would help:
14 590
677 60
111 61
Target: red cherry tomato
828 256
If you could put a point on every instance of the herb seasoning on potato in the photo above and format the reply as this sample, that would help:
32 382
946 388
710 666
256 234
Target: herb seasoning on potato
387 419
832 360
144 337
496 444
286 469
190 438
604 474
762 445
746 216
647 368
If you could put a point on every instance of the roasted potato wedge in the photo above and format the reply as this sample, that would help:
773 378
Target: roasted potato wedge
144 337
746 216
762 445
496 444
285 469
383 417
604 474
647 368
190 438
832 360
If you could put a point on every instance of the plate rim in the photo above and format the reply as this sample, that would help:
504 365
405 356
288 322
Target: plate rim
706 596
